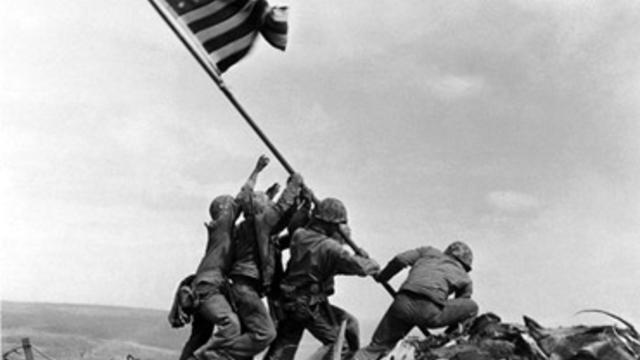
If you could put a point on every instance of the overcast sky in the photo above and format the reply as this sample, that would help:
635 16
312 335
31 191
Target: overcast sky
511 125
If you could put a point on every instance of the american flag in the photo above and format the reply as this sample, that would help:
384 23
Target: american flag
227 29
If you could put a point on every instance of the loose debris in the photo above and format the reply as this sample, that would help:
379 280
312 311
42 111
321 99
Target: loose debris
488 338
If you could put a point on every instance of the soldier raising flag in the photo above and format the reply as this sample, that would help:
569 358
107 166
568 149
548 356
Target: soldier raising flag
204 296
316 257
218 33
423 299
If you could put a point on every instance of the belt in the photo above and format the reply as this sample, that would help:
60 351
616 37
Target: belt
314 289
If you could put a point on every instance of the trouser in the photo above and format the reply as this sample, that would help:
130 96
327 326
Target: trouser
322 320
213 311
409 310
258 330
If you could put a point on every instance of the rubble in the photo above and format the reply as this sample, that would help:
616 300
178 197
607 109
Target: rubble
488 338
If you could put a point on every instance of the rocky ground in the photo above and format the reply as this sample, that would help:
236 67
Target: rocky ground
488 338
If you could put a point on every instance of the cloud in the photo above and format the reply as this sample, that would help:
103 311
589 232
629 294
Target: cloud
512 201
451 86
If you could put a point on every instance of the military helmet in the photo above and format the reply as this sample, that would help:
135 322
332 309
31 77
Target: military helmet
220 205
331 210
461 252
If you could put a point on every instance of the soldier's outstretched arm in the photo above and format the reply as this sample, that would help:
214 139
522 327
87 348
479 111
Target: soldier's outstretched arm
393 267
348 264
289 195
262 163
401 261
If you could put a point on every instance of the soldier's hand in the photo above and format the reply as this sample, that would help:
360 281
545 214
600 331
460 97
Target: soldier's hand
296 178
262 163
377 276
375 263
363 253
273 190
372 267
178 319
306 193
344 231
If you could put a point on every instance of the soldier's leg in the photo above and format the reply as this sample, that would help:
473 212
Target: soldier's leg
215 308
324 325
352 331
395 325
453 312
200 332
285 345
258 330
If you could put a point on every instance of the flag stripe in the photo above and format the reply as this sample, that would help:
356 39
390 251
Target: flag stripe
232 53
219 16
278 27
181 7
278 18
203 11
234 47
236 33
225 26
223 65
275 28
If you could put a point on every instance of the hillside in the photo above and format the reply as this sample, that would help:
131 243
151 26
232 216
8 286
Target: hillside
66 331
71 331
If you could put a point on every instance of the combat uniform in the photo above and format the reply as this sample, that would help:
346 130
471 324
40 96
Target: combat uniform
298 217
308 282
209 285
253 268
423 298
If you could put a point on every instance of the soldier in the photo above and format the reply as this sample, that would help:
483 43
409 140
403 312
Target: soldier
297 217
423 298
254 265
316 256
205 294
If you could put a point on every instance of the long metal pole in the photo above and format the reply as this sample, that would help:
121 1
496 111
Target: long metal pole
223 87
225 90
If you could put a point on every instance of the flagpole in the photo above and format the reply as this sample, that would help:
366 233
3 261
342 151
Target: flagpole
223 87
215 76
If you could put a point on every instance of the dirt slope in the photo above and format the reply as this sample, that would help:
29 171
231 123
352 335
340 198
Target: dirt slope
66 331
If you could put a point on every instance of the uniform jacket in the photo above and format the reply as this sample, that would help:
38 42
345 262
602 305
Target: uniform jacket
432 274
216 263
315 259
254 252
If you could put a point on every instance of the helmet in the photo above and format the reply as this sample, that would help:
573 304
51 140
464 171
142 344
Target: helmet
461 252
331 210
220 205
